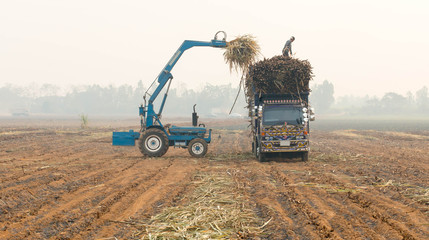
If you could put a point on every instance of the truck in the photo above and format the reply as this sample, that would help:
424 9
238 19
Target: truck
280 125
154 138
20 112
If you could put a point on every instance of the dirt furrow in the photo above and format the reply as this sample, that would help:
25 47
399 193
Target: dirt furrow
288 221
146 200
68 183
377 207
39 188
86 195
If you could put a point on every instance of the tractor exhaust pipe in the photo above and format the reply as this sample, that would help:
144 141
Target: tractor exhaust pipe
194 117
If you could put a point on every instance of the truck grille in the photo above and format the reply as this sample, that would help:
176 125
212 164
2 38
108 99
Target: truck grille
289 138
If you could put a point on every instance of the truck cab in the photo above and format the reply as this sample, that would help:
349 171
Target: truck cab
280 125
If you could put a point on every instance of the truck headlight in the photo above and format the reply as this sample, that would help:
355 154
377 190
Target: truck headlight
305 115
304 110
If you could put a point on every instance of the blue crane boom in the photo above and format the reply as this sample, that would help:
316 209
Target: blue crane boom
165 76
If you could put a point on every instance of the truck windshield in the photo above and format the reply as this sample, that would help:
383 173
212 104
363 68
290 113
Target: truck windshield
279 114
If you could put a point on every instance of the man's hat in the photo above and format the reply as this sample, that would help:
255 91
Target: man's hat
293 38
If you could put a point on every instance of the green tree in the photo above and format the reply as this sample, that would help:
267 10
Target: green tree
422 98
393 103
322 96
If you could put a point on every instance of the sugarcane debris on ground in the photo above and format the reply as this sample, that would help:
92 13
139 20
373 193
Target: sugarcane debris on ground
217 209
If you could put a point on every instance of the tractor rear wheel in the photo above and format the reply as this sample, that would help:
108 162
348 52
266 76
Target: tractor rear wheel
153 142
197 147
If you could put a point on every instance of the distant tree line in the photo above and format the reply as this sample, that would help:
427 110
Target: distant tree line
211 100
322 98
122 100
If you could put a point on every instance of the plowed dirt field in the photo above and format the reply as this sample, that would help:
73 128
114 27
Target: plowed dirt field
60 182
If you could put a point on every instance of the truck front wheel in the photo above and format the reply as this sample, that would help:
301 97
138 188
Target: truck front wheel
261 156
304 156
153 142
197 147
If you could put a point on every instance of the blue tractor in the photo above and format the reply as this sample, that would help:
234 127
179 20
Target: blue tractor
154 138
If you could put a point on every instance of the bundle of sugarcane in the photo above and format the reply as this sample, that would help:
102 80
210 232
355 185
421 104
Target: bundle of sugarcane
241 52
279 75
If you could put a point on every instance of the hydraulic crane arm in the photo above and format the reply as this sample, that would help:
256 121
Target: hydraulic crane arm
165 75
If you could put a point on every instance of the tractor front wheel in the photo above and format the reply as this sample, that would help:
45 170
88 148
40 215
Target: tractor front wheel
153 142
198 147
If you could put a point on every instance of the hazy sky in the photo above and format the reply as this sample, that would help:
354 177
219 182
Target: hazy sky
363 47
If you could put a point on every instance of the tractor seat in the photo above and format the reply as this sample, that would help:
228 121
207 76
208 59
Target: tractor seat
182 130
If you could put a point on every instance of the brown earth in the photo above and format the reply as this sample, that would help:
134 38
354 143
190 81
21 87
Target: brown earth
61 182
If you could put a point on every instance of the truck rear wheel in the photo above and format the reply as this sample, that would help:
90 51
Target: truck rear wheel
304 156
197 147
153 142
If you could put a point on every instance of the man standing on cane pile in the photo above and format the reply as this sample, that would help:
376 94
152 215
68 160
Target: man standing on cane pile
288 47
